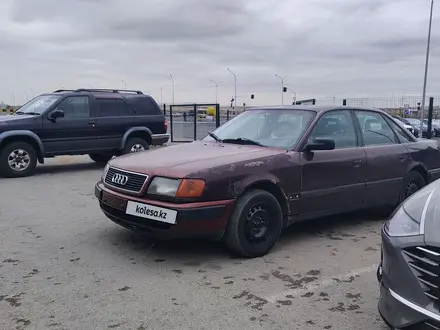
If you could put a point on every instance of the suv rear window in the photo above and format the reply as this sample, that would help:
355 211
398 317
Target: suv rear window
112 107
143 105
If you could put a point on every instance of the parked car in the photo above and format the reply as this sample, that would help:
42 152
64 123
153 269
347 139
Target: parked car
435 127
409 269
416 123
407 125
266 169
101 123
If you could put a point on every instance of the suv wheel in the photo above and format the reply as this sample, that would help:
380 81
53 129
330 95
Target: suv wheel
100 158
135 145
18 159
413 182
255 225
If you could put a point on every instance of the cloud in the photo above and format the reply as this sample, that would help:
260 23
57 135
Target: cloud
346 48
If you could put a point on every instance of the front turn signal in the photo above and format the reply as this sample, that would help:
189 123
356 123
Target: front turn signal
190 188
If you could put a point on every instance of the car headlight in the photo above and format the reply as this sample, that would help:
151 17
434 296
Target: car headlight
181 188
164 186
409 218
104 172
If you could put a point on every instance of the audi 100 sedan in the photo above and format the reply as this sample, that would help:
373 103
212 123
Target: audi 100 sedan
409 271
266 169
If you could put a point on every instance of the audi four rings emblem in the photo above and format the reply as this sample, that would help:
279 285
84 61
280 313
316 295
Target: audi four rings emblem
120 179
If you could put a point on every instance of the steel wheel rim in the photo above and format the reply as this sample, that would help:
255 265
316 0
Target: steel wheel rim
411 188
258 227
19 160
137 148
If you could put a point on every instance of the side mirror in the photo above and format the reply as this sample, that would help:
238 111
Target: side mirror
56 114
320 144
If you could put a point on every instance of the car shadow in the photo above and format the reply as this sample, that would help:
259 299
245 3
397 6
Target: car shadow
200 251
66 168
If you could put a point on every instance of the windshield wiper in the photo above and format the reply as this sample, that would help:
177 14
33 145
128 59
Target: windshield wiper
215 137
243 141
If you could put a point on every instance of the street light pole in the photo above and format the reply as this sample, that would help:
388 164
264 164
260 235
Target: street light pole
125 84
235 88
172 80
282 87
216 89
426 69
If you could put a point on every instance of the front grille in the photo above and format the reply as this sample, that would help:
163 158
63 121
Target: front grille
425 262
429 325
128 181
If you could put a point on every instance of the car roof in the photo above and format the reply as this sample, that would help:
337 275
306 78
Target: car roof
316 108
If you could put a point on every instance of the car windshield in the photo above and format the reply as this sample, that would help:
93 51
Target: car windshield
37 105
268 128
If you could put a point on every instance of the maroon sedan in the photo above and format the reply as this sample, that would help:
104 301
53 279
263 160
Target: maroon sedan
266 169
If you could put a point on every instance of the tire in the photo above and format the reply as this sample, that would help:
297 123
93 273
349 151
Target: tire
24 163
412 183
100 158
134 144
242 240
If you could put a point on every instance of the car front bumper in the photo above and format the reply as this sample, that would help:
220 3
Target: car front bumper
201 219
403 303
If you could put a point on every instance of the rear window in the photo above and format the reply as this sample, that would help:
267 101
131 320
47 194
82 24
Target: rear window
144 105
112 108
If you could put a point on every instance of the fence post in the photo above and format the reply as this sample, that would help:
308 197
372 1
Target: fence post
164 109
195 122
217 115
227 115
344 102
430 111
171 123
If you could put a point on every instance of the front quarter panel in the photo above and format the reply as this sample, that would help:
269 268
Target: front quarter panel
229 181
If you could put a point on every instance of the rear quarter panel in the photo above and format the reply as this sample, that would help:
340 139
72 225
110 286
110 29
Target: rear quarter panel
426 153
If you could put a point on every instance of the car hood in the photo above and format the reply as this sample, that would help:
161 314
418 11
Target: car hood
189 158
14 118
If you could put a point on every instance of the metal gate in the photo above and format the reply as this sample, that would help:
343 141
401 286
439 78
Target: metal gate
189 122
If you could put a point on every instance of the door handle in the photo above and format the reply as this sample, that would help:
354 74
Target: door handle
91 122
402 158
357 163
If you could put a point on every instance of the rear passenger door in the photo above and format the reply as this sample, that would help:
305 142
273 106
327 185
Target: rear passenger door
113 117
387 159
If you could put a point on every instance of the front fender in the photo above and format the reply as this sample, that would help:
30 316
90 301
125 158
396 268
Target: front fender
32 135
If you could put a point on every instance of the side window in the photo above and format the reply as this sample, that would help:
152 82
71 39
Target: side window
375 130
75 107
111 108
403 137
336 125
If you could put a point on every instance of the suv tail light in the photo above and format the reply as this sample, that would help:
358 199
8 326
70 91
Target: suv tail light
166 126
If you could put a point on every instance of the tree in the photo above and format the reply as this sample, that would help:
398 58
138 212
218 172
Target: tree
210 111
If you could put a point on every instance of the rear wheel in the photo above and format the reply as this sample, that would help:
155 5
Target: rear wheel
412 183
135 145
100 158
255 225
18 159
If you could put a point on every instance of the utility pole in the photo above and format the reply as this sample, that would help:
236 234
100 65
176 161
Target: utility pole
426 69
235 88
282 87
216 90
172 80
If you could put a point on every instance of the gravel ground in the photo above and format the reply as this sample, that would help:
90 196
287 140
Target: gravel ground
63 265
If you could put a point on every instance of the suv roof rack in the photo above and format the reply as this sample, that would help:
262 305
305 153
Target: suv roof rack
105 90
63 90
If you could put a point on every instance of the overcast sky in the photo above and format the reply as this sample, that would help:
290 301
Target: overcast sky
342 48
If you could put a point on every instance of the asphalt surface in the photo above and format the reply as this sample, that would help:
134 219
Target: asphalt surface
64 265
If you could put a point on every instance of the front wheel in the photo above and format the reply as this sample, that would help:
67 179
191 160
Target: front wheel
255 225
18 159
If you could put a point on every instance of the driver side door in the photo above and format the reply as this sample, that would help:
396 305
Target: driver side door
333 181
73 133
